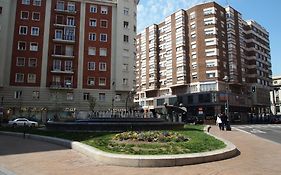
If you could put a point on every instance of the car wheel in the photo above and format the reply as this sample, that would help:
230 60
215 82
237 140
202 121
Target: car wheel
14 125
33 125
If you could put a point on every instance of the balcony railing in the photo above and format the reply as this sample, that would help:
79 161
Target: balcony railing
66 38
61 85
62 71
61 55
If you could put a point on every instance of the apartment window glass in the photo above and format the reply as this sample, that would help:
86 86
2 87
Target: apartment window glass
101 96
193 55
91 81
33 46
126 24
37 2
21 45
209 11
209 21
210 64
58 50
102 81
103 52
58 34
31 78
103 23
19 78
125 81
193 46
69 96
194 76
57 65
102 66
211 75
59 19
32 62
0 10
210 42
91 65
192 15
35 94
103 37
92 36
194 65
60 5
86 96
91 51
125 67
35 31
93 9
23 30
210 31
20 61
36 16
211 52
68 66
71 6
126 11
69 50
93 23
70 21
26 2
104 10
126 38
17 94
24 15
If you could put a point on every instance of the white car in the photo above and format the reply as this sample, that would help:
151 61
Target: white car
22 122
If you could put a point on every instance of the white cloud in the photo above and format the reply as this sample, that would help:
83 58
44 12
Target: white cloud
154 11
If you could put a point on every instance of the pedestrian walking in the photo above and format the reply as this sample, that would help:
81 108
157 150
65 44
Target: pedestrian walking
224 120
219 121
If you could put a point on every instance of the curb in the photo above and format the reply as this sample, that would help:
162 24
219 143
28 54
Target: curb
140 160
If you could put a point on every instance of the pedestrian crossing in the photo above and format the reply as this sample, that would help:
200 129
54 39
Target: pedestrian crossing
258 126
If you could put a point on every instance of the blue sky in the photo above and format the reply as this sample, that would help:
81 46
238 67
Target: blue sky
265 12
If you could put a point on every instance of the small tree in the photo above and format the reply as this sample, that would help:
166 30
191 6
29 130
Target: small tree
92 103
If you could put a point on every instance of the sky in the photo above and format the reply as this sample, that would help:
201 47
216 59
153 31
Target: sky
265 12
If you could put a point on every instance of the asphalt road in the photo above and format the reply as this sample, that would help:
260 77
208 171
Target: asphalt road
267 131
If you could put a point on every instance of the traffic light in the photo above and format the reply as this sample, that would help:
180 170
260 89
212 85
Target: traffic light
253 89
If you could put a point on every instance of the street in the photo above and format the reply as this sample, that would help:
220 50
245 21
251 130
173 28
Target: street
267 131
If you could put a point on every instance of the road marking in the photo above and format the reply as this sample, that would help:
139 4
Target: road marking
257 131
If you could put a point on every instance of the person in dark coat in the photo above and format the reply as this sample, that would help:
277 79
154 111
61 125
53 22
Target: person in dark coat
224 120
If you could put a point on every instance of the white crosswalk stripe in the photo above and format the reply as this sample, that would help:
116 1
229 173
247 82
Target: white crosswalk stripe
258 126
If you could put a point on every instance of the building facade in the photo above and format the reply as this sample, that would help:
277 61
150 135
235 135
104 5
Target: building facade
57 54
203 58
275 95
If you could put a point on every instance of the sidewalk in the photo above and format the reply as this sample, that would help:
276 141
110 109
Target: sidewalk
258 157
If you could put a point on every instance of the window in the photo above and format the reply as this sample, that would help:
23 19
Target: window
104 10
103 37
91 51
19 78
125 81
59 19
91 65
24 15
23 30
193 36
69 96
93 9
194 65
126 11
125 67
69 50
58 49
71 6
35 94
21 45
103 23
86 96
209 21
31 78
33 47
211 63
93 23
126 24
35 31
193 25
211 52
194 76
17 94
68 66
92 36
37 2
20 61
0 10
32 62
58 34
211 41
211 75
35 16
210 31
103 52
193 55
126 38
26 2
102 66
57 65
193 46
102 81
192 15
91 81
101 96
60 6
70 21
209 11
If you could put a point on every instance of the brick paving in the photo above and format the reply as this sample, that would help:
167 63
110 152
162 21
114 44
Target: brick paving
29 157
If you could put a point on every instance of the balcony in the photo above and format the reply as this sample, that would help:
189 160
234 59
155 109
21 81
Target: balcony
60 55
65 39
61 9
64 25
59 71
61 85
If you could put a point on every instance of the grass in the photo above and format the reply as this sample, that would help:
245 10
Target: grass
198 141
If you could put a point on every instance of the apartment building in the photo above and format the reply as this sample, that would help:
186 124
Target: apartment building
275 95
56 54
199 57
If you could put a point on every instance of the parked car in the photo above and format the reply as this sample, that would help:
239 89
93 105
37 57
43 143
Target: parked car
275 119
22 122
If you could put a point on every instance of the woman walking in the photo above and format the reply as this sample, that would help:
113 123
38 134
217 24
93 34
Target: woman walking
219 122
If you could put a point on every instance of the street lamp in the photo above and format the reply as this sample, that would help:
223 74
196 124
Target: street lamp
226 79
128 96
